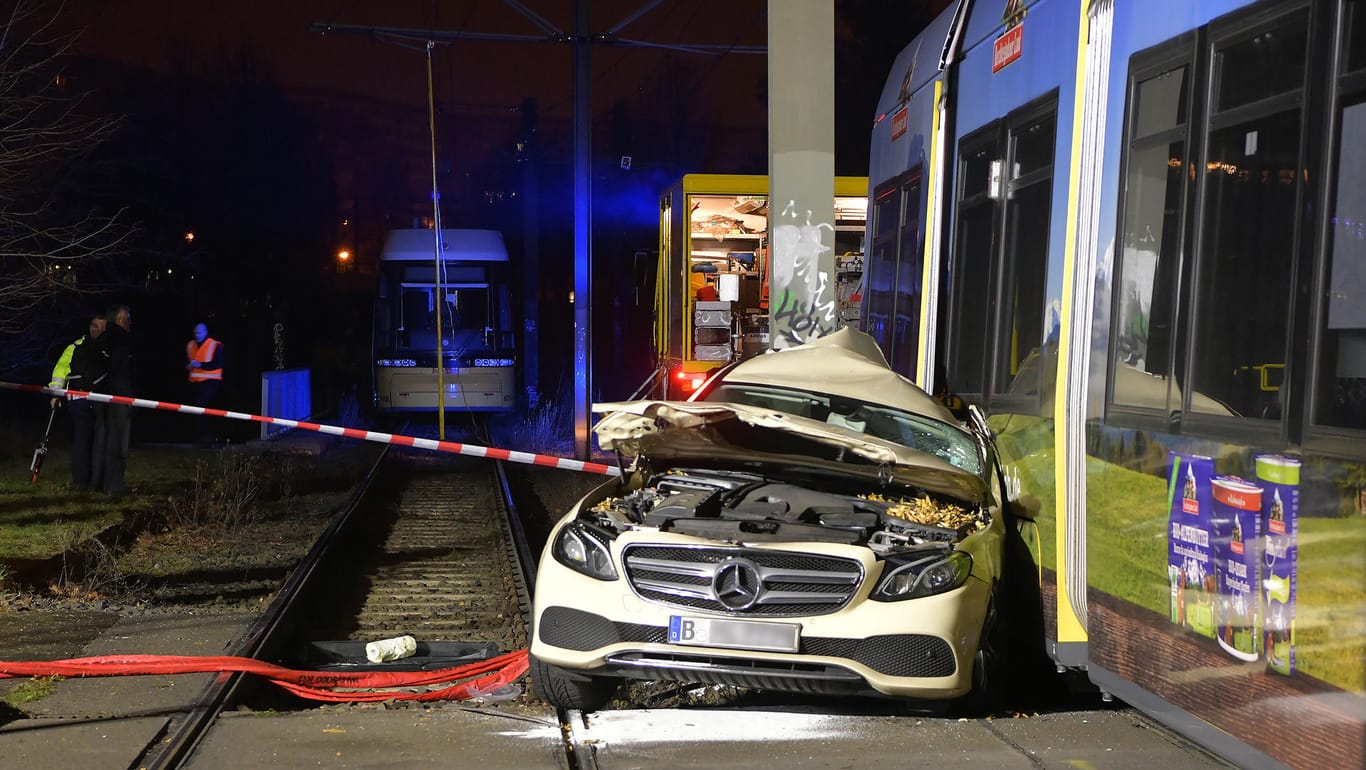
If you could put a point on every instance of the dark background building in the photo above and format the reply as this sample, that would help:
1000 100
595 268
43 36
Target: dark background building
252 153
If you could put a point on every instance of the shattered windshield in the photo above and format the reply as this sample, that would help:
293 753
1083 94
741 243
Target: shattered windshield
947 442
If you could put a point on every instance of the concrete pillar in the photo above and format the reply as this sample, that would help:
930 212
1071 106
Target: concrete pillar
801 170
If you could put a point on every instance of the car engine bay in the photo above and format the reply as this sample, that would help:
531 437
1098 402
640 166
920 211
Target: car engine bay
736 507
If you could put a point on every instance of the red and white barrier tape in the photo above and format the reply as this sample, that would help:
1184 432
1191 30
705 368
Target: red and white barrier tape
450 447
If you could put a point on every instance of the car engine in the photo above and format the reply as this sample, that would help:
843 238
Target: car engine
743 507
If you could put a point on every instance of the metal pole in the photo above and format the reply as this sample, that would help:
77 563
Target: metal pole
436 220
583 232
801 168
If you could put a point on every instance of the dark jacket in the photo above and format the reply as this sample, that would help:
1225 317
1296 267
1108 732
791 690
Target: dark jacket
116 345
87 365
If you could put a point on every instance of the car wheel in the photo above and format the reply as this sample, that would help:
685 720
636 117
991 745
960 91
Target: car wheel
566 690
988 664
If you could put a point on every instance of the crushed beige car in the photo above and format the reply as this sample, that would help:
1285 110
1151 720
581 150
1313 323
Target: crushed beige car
810 522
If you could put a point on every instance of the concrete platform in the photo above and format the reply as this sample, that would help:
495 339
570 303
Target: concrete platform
408 738
758 740
107 721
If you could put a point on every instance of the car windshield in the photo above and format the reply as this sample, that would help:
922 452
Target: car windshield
947 442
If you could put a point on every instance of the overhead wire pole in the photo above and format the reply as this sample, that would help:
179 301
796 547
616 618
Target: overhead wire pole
583 241
436 275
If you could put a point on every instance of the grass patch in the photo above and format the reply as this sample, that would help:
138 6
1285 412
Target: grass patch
549 429
37 520
30 690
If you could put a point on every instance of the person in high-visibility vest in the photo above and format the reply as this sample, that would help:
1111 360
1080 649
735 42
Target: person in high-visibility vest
81 367
114 422
204 367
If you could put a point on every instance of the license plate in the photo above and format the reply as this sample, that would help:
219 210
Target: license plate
733 634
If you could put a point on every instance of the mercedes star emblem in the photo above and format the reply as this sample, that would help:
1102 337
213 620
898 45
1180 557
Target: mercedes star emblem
736 584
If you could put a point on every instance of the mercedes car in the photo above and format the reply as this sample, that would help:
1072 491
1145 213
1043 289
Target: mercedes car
809 521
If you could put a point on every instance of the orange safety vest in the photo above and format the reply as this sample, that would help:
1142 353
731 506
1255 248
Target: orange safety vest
203 354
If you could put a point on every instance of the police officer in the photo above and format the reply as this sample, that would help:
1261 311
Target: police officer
204 365
81 367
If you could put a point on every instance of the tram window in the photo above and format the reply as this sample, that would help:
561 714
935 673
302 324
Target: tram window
908 277
1160 102
1243 290
1150 254
1342 365
1020 342
971 298
976 173
880 275
1032 148
1024 265
1266 65
1356 36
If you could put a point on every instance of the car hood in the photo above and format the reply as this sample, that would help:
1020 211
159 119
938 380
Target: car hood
673 432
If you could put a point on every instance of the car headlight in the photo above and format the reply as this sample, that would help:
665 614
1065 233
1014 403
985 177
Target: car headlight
923 577
577 548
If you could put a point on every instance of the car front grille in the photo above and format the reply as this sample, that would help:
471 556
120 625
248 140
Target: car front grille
788 584
904 655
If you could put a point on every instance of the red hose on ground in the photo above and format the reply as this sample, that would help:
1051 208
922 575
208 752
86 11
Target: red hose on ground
362 686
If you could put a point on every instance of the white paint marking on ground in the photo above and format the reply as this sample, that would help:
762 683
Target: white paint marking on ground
689 726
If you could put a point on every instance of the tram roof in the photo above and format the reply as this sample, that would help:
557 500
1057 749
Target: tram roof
417 244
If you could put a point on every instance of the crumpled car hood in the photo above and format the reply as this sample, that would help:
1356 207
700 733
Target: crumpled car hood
635 428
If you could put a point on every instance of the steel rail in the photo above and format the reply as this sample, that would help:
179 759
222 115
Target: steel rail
177 748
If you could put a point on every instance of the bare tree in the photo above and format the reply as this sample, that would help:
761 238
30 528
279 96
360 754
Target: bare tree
47 234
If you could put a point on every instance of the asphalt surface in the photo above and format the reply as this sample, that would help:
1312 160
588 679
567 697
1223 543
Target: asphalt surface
106 722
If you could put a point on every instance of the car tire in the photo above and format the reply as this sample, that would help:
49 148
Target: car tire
566 690
989 665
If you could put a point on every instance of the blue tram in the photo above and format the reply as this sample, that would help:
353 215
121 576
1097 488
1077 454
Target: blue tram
1134 233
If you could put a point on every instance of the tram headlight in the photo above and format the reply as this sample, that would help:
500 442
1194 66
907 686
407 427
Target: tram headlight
578 549
922 577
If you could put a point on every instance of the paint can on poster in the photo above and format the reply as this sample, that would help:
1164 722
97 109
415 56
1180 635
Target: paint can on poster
1279 477
1235 532
1190 569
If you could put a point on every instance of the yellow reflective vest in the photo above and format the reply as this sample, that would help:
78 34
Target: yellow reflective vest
62 370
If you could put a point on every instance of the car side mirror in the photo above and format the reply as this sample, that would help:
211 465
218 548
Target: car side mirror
1026 508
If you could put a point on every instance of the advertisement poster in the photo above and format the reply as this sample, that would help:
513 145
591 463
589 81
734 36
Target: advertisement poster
1190 567
1279 478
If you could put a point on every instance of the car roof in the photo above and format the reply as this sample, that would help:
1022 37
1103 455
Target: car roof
846 363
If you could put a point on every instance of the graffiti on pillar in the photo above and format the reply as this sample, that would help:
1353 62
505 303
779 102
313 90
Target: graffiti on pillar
806 306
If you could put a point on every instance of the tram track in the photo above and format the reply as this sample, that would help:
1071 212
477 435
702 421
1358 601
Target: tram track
426 546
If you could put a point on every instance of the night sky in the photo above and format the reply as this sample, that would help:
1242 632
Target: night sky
277 146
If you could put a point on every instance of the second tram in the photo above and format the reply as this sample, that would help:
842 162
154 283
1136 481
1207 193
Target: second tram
457 309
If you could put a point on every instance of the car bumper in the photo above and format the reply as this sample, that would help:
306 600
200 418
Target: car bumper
917 648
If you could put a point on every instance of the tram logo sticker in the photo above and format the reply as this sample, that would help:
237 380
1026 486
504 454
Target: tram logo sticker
1280 479
1190 569
1009 46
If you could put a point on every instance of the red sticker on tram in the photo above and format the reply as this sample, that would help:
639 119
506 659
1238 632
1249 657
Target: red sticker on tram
1008 48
